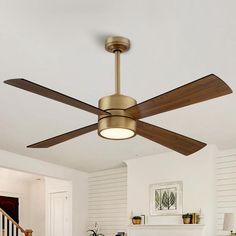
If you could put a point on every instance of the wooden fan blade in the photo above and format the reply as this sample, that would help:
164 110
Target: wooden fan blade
64 137
169 139
49 93
206 88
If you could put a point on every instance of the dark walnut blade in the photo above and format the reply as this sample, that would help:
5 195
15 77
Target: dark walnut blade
204 89
169 139
64 137
49 93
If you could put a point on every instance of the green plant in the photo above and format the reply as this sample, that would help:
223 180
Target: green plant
186 216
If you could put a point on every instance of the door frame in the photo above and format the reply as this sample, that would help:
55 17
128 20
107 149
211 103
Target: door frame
14 195
68 190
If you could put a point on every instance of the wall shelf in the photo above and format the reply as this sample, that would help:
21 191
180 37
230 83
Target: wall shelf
166 230
173 226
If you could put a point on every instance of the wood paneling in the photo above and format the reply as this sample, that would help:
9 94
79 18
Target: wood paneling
226 189
108 200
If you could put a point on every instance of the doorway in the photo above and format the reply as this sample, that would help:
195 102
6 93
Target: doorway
11 206
59 216
59 207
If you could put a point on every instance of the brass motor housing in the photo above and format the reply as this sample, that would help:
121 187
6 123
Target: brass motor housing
115 105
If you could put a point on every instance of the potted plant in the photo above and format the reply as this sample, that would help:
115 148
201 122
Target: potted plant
186 218
95 231
136 220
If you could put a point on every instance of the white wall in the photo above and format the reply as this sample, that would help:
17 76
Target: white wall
17 188
108 200
37 207
225 186
31 194
197 173
79 183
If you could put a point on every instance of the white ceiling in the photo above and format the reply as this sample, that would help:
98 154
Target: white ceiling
59 44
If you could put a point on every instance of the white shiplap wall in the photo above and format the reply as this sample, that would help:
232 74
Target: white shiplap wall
226 188
107 201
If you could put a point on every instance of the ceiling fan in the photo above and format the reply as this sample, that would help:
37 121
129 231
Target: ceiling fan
119 115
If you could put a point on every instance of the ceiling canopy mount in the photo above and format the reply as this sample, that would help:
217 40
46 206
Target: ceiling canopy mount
117 43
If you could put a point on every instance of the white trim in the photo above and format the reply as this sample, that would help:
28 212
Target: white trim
10 194
65 188
59 189
174 226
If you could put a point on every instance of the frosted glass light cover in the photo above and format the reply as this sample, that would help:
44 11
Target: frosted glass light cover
117 133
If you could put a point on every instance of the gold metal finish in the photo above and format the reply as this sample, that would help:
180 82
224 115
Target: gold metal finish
116 102
117 71
118 120
115 105
115 122
117 43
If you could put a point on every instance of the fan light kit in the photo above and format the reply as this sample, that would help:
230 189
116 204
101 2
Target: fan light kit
118 124
119 115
